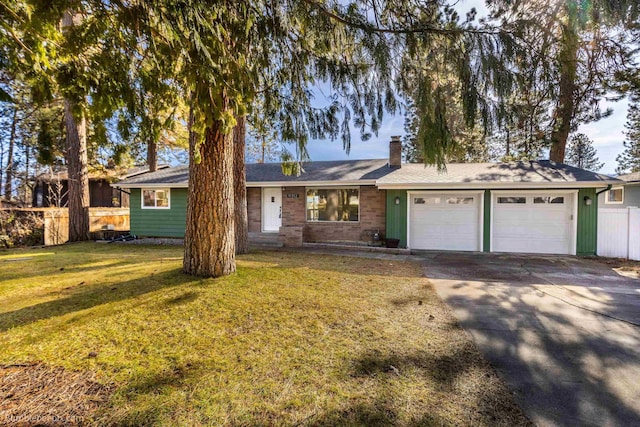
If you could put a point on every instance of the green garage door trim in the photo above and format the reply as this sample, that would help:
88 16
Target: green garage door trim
486 241
397 224
159 222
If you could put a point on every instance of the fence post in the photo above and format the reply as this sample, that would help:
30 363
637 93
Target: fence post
634 234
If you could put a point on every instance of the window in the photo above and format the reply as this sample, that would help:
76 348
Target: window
426 200
548 199
517 200
460 200
335 204
614 196
155 199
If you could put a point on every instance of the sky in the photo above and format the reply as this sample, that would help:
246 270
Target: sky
606 134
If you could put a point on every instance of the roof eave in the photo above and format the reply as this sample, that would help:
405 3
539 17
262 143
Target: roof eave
126 185
494 185
350 183
254 184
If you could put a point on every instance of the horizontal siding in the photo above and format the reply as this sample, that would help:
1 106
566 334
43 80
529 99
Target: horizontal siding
159 222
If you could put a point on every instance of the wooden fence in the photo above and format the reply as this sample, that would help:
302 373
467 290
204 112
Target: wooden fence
619 233
56 222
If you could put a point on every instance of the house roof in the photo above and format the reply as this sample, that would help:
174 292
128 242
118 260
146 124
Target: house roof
99 173
342 171
339 172
630 177
535 174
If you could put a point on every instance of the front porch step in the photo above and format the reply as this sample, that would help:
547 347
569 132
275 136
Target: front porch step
265 240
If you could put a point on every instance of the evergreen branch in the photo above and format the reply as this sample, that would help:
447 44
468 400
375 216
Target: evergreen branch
11 11
369 28
15 37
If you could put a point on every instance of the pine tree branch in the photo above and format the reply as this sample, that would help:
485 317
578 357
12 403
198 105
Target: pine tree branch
15 37
419 30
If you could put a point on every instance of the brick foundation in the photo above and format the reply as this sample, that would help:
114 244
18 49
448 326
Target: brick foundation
291 236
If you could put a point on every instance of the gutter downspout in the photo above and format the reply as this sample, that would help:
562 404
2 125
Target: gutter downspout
602 191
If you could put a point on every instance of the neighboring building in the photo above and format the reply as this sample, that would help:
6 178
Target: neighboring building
534 207
51 189
623 195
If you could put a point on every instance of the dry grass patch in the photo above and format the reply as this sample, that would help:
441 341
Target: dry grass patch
624 267
291 339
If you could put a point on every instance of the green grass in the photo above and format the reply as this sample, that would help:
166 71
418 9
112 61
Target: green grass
292 338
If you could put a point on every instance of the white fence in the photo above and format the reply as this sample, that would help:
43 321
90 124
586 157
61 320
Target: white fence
619 233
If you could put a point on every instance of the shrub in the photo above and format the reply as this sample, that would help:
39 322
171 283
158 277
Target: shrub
20 228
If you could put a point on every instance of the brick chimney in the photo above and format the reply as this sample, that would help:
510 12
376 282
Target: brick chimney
395 152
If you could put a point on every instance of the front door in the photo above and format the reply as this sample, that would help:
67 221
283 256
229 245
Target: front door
271 209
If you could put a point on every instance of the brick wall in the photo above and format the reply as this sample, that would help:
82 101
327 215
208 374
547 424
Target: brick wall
292 236
254 211
372 216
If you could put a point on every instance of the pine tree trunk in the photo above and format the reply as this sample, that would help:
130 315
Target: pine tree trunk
25 183
508 143
240 190
8 184
563 115
152 155
1 163
78 175
209 244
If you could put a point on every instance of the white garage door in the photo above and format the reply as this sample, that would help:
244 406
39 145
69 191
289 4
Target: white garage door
444 221
533 223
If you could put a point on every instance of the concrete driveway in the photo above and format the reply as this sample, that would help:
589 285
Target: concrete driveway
563 332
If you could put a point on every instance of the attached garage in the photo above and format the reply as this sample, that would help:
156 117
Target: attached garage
534 222
524 207
445 221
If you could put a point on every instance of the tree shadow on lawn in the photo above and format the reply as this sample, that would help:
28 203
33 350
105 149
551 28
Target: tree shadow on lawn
444 369
387 406
125 409
89 296
62 268
75 258
339 263
461 372
379 413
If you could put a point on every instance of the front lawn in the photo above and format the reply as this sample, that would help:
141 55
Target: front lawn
291 339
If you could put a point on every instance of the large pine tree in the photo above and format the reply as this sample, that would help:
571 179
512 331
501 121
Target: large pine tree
74 54
577 52
629 159
582 154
